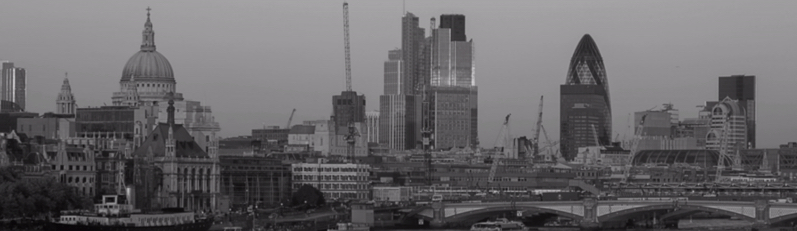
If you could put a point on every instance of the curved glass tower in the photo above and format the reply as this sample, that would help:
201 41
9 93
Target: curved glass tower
585 106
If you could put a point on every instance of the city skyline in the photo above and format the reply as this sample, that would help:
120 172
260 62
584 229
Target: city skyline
650 61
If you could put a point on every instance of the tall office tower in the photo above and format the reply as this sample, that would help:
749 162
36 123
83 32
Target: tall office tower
14 84
412 38
398 120
584 101
455 22
20 84
372 125
452 95
394 73
741 88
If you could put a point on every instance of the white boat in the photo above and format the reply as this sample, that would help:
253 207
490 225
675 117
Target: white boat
502 224
351 227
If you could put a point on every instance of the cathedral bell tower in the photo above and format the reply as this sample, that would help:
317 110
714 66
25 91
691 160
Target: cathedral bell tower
170 142
131 98
66 101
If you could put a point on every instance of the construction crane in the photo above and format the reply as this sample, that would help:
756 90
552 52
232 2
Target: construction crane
536 140
550 145
724 150
290 119
595 136
633 149
352 133
504 136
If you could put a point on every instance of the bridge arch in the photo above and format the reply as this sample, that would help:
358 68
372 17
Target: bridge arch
782 219
622 213
480 214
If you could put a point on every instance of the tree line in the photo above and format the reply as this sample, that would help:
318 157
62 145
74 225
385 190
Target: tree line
36 198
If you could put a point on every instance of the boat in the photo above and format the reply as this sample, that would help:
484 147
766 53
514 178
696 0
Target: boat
501 224
113 216
351 227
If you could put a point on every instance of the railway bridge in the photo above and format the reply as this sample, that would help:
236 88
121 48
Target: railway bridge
591 212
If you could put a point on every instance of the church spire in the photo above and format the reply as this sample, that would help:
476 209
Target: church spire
148 41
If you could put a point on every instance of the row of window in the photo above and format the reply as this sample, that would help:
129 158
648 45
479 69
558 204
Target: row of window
297 169
328 177
77 167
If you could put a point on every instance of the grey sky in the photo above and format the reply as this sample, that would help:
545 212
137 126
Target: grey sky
253 61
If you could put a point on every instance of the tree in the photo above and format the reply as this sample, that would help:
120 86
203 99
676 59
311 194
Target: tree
307 197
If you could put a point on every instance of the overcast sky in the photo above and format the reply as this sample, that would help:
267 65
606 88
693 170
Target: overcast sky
253 61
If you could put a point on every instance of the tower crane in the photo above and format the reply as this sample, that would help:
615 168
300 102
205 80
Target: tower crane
554 154
499 152
724 150
633 146
536 140
290 119
352 133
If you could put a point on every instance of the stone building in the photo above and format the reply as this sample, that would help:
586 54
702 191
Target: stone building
184 174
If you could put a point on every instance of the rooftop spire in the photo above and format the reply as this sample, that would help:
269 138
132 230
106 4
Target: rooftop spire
148 43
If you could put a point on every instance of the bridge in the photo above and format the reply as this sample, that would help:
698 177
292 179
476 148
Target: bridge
592 213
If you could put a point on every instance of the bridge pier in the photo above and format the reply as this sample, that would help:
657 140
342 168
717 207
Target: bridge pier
590 221
439 218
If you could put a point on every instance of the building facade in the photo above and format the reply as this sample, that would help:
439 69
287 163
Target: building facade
348 107
49 127
394 73
345 181
322 135
274 137
249 180
728 111
585 101
454 115
742 88
372 125
399 121
76 167
13 87
184 174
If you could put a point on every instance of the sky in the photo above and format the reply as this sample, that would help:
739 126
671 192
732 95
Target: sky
254 61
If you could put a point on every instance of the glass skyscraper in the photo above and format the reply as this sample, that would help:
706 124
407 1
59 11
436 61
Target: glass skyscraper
585 106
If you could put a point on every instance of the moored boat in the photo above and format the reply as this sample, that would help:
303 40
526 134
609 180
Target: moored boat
113 216
501 224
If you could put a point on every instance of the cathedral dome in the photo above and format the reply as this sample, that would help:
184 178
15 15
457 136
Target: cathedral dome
148 64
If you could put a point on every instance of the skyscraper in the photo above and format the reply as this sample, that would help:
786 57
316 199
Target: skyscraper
412 38
741 88
455 22
14 84
585 106
394 73
452 95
